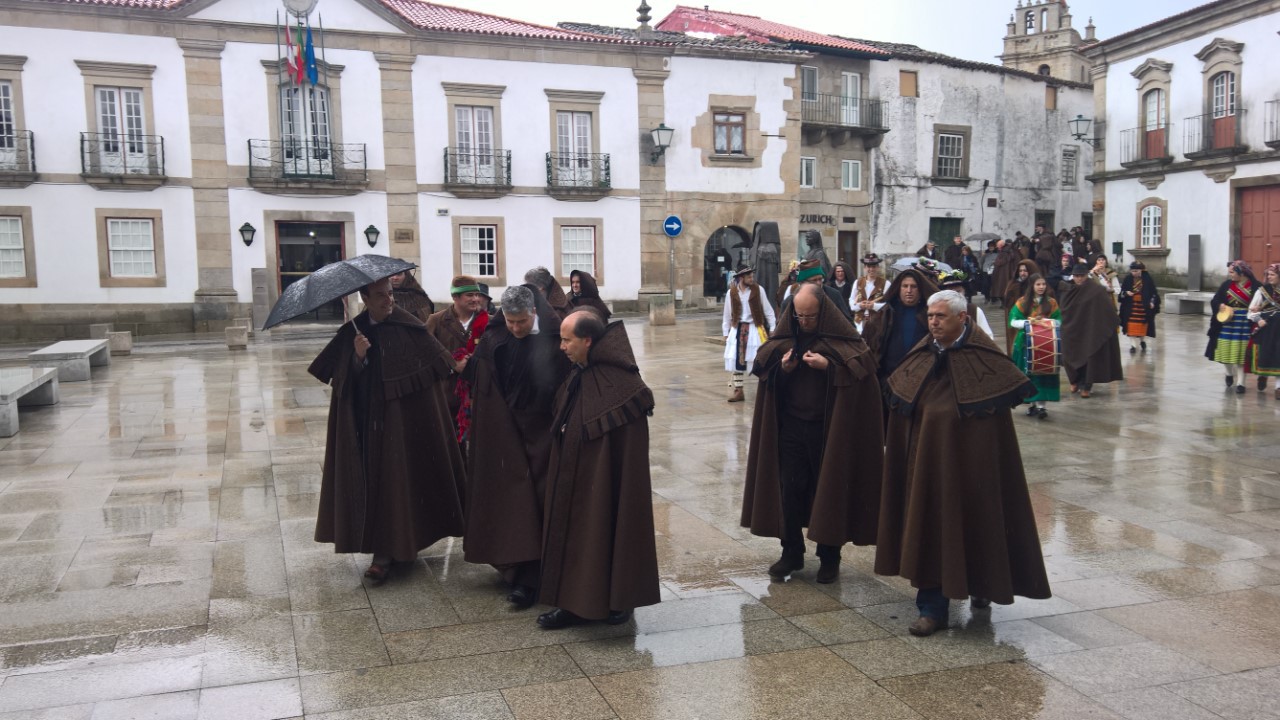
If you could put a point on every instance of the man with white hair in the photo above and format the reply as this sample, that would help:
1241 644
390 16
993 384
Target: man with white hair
957 523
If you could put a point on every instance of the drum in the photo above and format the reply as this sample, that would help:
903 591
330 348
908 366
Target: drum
1043 348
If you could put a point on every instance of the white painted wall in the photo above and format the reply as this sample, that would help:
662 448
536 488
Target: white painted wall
245 88
344 14
687 95
526 114
64 229
54 91
530 237
1016 145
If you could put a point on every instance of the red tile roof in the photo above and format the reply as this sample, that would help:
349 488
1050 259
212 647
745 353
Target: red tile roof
695 20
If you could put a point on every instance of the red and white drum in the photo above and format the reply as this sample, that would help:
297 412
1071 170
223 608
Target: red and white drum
1043 348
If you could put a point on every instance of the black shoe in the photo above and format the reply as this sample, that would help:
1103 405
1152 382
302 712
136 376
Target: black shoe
786 565
1239 389
1144 345
558 618
617 617
828 571
522 596
1042 414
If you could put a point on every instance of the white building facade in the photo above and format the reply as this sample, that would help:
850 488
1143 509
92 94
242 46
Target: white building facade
1188 111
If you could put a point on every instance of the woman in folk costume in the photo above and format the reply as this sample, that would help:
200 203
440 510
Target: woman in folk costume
1139 304
1229 328
1264 347
1036 307
748 320
869 290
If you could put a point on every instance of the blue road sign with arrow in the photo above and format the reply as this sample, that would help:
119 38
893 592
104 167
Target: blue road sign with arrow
672 226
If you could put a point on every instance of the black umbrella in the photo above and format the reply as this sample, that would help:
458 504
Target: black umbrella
331 282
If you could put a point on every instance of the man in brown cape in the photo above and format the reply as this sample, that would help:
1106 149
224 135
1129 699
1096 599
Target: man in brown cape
816 438
514 374
954 521
542 279
599 557
1090 343
393 477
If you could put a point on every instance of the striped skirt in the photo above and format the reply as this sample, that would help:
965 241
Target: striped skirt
1234 339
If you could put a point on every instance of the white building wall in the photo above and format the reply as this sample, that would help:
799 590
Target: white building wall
687 96
1015 146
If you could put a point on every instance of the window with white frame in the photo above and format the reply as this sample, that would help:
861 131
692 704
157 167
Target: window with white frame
1069 167
808 172
808 83
131 247
13 262
479 249
578 249
950 155
1152 225
851 174
730 133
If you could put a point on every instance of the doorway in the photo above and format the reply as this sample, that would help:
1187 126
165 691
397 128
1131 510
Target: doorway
847 247
303 248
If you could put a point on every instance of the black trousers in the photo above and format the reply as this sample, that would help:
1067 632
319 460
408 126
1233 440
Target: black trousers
800 453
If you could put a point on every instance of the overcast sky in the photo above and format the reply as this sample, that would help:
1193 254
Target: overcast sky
971 29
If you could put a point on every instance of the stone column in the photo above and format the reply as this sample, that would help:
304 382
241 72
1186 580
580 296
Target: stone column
215 303
401 158
655 247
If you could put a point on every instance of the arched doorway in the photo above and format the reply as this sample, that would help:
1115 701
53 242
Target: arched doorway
727 247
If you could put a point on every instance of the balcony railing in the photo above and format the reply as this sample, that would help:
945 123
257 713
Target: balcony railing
1271 133
841 111
579 170
18 152
121 155
1145 145
304 159
1213 134
483 169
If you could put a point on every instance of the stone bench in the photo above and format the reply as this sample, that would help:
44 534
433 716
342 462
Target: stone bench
72 358
24 387
1187 303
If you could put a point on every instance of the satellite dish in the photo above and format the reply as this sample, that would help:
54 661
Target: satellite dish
300 8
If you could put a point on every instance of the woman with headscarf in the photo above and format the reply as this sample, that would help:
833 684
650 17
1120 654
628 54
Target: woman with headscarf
842 279
1263 357
1036 307
1229 327
1139 303
585 293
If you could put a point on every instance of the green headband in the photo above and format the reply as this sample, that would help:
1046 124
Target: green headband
464 289
803 275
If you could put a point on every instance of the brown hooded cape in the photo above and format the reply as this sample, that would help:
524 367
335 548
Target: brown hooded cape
1089 338
393 478
952 516
846 499
598 550
588 295
513 388
876 330
413 298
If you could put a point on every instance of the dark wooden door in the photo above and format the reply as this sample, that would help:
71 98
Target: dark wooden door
1260 225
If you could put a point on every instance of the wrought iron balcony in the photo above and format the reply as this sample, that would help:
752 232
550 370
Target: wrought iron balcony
304 160
579 174
1271 124
477 174
844 112
1143 146
1213 134
17 159
115 154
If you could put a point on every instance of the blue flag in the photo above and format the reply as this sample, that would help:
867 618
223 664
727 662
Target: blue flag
313 72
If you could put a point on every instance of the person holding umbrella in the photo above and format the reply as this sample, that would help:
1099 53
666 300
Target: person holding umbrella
393 476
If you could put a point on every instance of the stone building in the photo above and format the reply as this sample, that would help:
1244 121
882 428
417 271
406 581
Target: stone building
1188 119
182 174
1040 40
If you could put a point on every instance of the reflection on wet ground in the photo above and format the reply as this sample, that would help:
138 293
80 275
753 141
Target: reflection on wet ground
156 561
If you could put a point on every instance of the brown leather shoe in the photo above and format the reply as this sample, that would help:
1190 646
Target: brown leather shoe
737 396
926 626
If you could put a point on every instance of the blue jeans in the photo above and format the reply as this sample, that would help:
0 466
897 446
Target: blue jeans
932 603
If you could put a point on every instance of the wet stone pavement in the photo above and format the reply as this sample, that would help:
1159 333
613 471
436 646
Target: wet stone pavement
156 562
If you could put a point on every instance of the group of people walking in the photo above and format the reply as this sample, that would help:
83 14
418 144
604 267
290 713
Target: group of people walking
523 430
